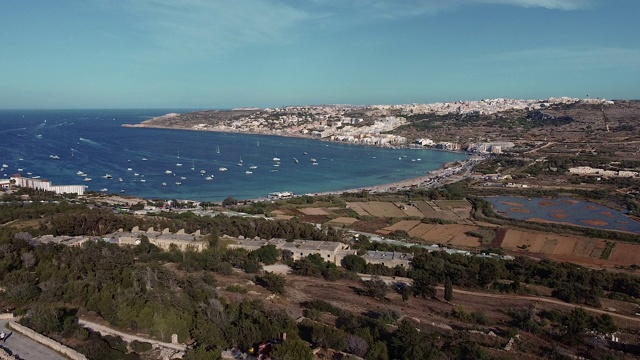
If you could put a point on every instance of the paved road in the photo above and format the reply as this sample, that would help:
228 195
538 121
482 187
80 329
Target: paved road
26 348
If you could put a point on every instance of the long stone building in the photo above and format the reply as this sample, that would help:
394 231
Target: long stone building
46 185
328 250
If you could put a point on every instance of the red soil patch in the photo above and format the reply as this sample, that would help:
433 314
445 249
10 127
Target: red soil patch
518 210
559 216
546 203
571 202
509 203
606 213
591 207
595 222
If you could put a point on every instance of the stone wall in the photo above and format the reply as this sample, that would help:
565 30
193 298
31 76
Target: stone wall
6 356
50 343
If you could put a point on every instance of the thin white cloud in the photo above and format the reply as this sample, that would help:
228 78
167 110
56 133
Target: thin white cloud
209 26
403 8
577 58
547 4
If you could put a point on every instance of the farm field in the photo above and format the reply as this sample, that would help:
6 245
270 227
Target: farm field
454 210
625 254
450 234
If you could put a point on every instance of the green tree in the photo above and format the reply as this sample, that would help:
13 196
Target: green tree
605 324
272 282
576 323
423 286
267 254
406 292
376 288
229 201
448 290
292 349
354 263
378 351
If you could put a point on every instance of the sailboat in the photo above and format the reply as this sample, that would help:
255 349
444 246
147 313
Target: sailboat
258 143
193 165
218 150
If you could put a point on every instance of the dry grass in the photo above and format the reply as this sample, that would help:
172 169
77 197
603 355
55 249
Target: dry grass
404 225
625 254
355 206
382 209
313 211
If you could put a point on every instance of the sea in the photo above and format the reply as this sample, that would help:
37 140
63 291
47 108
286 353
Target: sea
69 146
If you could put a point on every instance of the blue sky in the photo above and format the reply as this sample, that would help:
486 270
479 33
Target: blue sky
266 53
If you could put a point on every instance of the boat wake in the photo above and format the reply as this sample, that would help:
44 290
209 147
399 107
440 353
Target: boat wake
93 143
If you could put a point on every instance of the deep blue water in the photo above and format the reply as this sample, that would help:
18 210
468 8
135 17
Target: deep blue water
567 210
94 142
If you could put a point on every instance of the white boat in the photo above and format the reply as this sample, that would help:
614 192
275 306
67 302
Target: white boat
143 180
104 189
5 165
296 160
315 163
193 165
87 179
179 164
274 170
248 172
168 172
178 183
253 167
144 159
217 149
209 177
108 176
203 171
183 178
20 169
239 164
276 159
164 184
120 179
129 169
80 173
276 165
313 160
55 157
223 169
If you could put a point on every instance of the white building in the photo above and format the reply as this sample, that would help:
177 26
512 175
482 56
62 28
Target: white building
46 185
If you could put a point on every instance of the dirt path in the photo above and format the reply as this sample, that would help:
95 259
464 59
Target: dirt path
541 299
390 280
104 330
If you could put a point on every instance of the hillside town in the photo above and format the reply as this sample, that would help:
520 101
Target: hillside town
364 125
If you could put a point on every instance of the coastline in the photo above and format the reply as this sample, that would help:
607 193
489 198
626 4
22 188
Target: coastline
440 176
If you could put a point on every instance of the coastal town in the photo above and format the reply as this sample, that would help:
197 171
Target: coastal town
365 125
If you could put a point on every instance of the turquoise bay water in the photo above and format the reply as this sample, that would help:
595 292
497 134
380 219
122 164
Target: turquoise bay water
95 143
567 210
